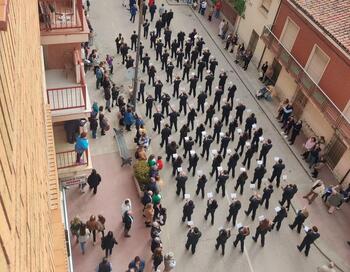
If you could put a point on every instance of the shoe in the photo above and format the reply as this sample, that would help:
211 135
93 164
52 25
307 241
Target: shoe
254 239
280 203
298 247
127 235
246 213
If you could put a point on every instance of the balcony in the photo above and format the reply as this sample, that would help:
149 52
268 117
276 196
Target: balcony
311 90
66 156
66 91
62 21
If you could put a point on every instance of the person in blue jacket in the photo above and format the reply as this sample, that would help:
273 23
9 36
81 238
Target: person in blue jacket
82 144
129 119
133 10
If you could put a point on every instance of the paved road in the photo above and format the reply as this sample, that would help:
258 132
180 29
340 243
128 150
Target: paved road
109 18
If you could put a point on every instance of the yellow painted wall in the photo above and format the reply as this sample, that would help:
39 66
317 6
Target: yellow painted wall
25 211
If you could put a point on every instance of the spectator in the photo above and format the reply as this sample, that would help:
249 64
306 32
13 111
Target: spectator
316 189
157 258
148 213
169 262
138 264
82 144
218 7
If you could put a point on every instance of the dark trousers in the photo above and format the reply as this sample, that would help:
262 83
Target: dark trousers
222 185
257 179
211 214
141 95
176 92
208 87
222 148
222 244
183 107
187 73
169 76
208 119
251 210
284 199
247 161
186 216
200 74
225 118
173 123
94 190
230 99
278 179
278 225
156 125
149 80
263 157
296 224
200 189
217 136
239 238
199 139
307 247
266 202
241 185
233 216
158 95
165 109
205 150
179 189
108 252
179 63
149 112
231 167
217 101
240 145
144 67
194 91
193 167
190 122
164 141
192 245
262 237
200 106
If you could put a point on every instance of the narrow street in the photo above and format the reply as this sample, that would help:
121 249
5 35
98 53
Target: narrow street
109 18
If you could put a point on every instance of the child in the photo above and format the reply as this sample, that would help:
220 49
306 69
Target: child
159 163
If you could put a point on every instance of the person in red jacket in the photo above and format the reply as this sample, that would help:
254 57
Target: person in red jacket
159 163
218 7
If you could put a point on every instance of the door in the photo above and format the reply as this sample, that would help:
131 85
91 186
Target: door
335 151
277 67
289 34
299 103
254 37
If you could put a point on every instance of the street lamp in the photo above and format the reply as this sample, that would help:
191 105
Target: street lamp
134 91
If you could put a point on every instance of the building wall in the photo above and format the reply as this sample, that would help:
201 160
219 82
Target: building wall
334 82
285 85
26 237
58 55
255 19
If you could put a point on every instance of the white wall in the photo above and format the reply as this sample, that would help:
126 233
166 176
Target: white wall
256 18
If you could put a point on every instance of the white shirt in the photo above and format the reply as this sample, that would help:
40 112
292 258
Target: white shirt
126 207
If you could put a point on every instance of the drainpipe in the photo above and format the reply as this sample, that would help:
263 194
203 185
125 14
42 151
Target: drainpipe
273 23
343 179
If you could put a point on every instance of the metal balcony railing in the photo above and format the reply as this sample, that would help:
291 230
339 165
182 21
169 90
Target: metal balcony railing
61 14
68 159
311 90
67 98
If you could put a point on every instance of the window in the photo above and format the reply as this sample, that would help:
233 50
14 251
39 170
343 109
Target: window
317 63
265 5
289 34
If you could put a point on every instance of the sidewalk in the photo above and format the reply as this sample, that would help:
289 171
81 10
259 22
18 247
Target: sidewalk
332 244
116 185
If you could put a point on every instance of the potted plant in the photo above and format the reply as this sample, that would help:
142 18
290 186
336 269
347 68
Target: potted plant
141 175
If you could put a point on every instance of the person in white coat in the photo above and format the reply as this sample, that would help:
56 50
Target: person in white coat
169 262
316 189
126 206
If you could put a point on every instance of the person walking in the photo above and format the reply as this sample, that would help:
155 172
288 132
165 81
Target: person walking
299 219
267 145
176 163
209 78
241 180
243 138
221 182
217 160
243 232
193 161
207 141
83 237
183 133
249 154
267 192
108 243
234 208
221 240
311 236
254 202
288 193
262 229
316 189
165 133
187 211
212 205
226 110
173 115
281 214
193 236
277 172
202 180
209 115
225 140
259 173
94 180
217 130
181 179
199 134
232 162
92 226
137 264
127 220
239 112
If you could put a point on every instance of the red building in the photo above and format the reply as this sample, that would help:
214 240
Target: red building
309 48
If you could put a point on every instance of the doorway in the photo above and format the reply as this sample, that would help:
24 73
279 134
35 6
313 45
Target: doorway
254 38
277 67
335 151
299 103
